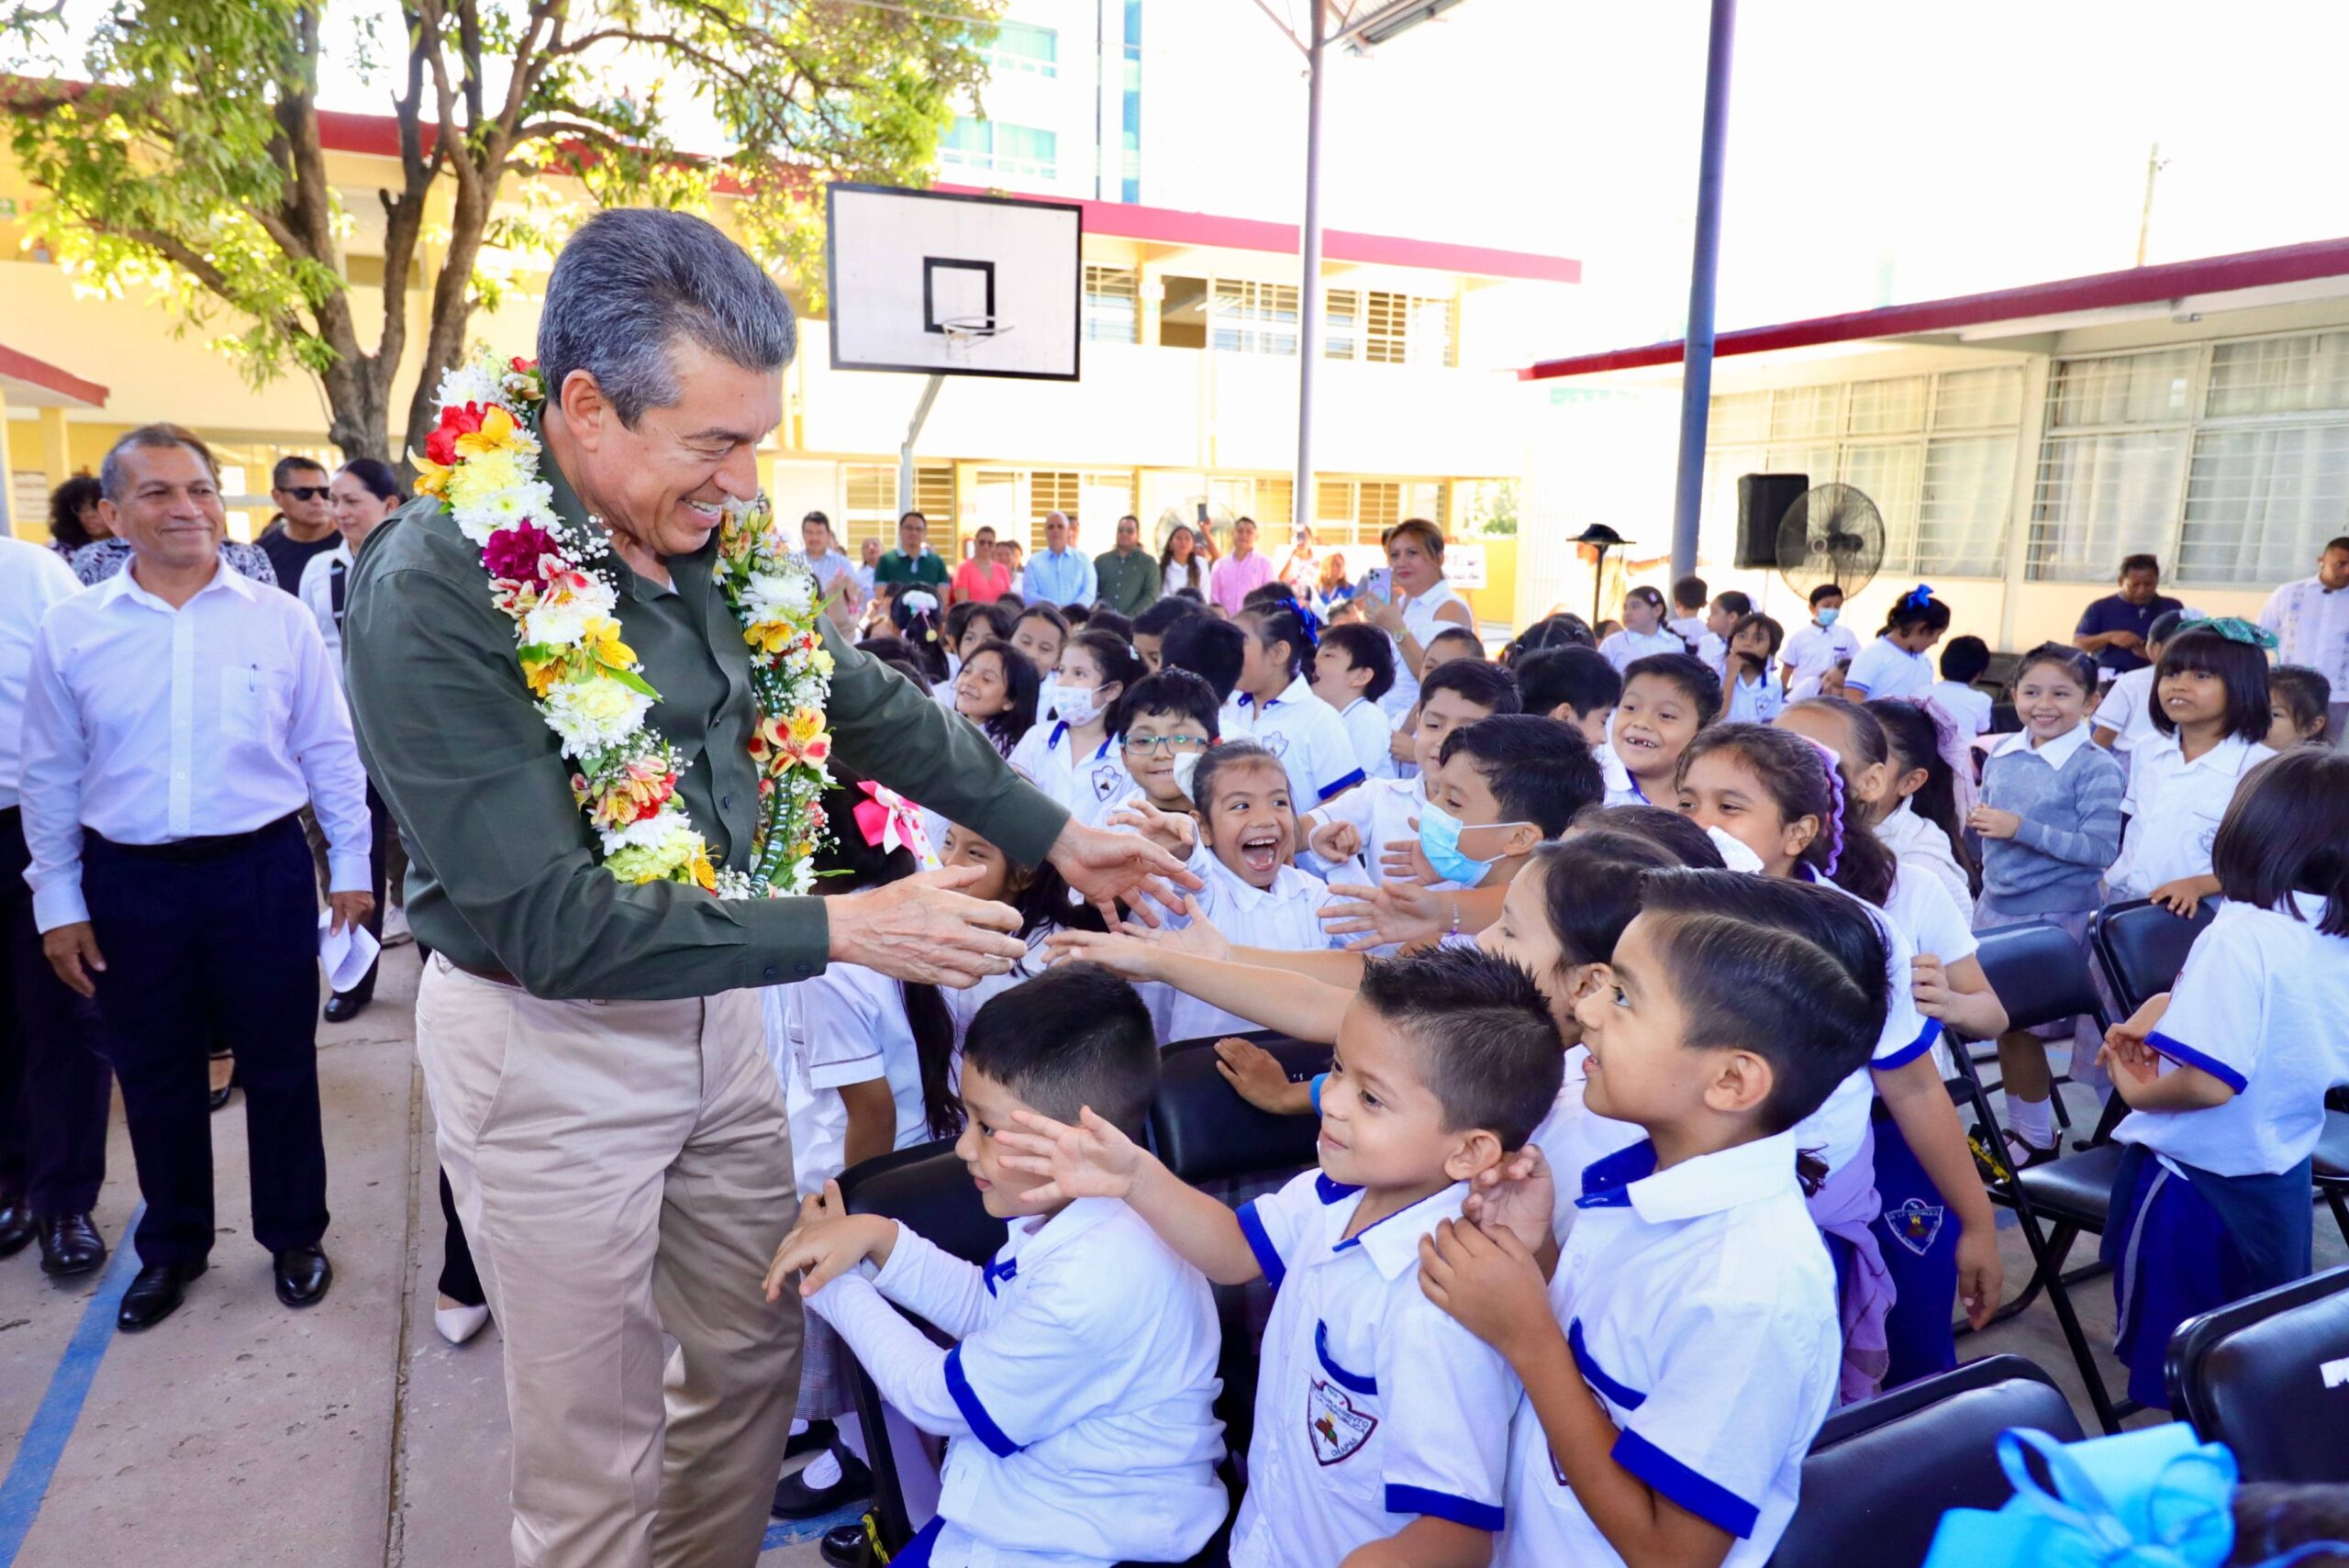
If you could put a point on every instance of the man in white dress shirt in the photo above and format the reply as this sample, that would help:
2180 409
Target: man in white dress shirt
177 719
55 1092
2310 621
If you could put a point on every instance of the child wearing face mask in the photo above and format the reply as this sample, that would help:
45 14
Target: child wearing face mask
1816 648
1070 754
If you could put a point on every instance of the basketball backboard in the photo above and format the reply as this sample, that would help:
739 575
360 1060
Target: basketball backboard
941 284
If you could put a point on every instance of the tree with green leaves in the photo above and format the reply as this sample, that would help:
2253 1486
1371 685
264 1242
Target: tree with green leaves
189 155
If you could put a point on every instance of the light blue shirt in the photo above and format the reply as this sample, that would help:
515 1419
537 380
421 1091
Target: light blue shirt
1066 578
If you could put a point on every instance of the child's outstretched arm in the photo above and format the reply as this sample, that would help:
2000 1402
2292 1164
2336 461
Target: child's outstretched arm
1094 1159
1491 1283
1919 1104
1252 986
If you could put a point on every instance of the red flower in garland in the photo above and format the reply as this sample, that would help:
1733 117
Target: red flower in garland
522 366
456 420
513 553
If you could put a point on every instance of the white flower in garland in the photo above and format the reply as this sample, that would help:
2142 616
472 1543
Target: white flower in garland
592 714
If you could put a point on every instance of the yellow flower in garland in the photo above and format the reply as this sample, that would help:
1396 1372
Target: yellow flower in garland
542 673
499 432
604 645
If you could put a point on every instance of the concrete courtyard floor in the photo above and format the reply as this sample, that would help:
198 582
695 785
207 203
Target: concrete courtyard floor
352 1436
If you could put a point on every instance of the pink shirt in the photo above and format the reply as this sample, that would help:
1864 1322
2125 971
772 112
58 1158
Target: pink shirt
1235 577
982 584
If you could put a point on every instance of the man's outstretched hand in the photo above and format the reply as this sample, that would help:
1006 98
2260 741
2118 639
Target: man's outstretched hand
1102 867
923 929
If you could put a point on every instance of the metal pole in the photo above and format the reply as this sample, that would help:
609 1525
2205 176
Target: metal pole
1696 378
913 434
1308 306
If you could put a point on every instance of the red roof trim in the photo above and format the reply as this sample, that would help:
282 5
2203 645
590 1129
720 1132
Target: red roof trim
2100 291
41 373
378 136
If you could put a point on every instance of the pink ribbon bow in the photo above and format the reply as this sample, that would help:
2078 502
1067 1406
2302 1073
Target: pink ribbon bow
889 821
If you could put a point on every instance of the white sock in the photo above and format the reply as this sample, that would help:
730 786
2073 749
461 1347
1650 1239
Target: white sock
2033 1121
822 1471
798 1426
851 1433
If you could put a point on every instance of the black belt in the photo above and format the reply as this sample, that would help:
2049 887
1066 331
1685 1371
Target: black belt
193 851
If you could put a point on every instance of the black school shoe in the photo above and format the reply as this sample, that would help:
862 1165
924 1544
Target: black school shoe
795 1499
847 1546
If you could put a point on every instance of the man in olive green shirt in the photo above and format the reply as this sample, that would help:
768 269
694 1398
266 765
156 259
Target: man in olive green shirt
593 1052
1128 574
913 565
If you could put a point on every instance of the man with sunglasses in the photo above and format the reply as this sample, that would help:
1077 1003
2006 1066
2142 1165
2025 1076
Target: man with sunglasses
304 525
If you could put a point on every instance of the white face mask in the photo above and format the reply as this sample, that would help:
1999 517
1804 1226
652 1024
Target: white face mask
1187 767
1735 853
1075 706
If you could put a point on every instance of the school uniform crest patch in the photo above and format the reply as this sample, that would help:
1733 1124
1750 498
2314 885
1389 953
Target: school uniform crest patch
1276 744
1106 783
1915 1224
1337 1429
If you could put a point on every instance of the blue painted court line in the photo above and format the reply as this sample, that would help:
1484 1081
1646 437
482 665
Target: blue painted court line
60 1408
784 1532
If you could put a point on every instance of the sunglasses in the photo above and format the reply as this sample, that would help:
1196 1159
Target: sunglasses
306 492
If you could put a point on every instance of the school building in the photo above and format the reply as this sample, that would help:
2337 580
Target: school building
1188 395
2019 443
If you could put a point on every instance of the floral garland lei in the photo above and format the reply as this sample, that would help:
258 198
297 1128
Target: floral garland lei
482 462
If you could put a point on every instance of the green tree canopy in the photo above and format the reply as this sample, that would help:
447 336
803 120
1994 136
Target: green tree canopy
190 157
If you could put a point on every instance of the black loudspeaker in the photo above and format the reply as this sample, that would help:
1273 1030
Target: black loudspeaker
1762 503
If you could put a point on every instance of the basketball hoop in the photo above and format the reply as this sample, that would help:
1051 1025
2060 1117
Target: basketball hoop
964 333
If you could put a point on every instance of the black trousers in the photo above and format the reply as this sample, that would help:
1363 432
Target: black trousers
459 1281
212 939
55 1091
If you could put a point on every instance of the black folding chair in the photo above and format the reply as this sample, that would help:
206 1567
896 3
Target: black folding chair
2042 977
2268 1377
2142 946
1881 1473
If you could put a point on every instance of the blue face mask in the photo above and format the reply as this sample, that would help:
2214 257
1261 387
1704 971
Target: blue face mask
1827 616
1440 833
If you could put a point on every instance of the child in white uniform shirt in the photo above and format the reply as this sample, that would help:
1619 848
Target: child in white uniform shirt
2124 718
1714 633
1079 1396
1815 648
1917 815
2225 1075
1274 706
1681 1358
1963 663
1750 693
1070 754
1377 1417
2211 712
1644 633
1350 833
1352 669
1894 665
1668 699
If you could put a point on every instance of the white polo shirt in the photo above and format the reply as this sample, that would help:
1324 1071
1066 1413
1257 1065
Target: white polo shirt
1286 916
1373 1408
1700 1306
1753 702
2312 625
2258 1006
1382 812
1623 647
1885 669
1837 1127
1306 735
1079 1396
1368 732
1811 649
1574 1136
1971 709
1091 786
2127 711
2175 810
848 1025
1923 849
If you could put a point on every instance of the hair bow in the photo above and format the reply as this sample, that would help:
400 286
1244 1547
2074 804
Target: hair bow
2136 1500
2234 629
889 821
1917 598
1307 622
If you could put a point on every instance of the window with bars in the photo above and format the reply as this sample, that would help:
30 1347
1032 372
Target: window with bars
1023 48
2111 469
1252 317
868 506
1112 310
1386 329
1934 452
1357 511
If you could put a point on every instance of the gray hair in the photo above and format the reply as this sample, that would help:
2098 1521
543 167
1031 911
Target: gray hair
631 281
114 479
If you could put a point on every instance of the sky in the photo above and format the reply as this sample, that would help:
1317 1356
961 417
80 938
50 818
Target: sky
1880 150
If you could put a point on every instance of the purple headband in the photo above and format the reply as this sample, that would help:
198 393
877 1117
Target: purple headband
1831 830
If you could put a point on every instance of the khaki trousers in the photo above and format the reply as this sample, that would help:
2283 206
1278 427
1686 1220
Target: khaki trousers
624 1172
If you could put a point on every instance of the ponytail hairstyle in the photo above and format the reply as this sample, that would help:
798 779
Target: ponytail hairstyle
1794 974
1920 736
917 619
1273 616
1917 609
1120 665
852 863
1803 779
2287 831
